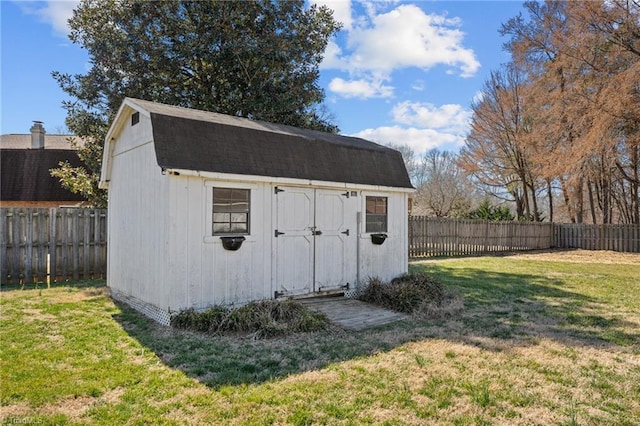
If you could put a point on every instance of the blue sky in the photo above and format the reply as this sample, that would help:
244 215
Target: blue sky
401 72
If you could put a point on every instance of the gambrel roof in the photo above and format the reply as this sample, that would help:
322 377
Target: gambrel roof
210 142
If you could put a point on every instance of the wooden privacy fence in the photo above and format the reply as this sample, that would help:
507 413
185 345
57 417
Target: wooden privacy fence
52 244
598 237
454 237
430 236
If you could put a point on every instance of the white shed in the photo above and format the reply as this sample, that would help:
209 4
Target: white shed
209 209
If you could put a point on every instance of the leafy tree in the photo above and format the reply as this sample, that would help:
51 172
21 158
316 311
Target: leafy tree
256 59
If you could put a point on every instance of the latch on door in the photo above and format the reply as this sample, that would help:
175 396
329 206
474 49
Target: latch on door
315 231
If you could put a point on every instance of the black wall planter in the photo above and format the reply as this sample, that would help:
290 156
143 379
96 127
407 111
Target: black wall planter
378 239
232 243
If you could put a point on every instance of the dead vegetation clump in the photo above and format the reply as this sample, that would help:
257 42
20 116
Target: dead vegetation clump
264 319
419 294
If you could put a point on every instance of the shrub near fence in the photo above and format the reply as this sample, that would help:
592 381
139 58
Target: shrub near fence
57 244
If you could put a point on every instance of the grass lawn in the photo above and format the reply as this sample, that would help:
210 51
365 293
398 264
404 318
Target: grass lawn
542 339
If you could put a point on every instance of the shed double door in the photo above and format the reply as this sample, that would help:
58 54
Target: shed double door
315 240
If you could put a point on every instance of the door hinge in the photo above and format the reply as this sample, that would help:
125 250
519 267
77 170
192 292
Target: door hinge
345 232
276 190
276 233
346 194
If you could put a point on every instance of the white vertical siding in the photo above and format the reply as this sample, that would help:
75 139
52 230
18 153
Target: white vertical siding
388 260
216 276
138 197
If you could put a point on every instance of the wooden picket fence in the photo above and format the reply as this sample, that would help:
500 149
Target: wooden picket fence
456 237
624 238
52 245
430 236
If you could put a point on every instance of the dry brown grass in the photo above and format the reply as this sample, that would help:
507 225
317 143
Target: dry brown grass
581 256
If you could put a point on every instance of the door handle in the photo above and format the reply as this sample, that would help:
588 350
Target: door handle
316 232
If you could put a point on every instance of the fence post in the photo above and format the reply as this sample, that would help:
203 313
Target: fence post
4 241
53 244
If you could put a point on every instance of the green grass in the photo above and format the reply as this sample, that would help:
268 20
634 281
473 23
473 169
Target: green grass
538 342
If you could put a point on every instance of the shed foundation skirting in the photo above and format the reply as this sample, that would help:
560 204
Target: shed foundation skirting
159 315
353 293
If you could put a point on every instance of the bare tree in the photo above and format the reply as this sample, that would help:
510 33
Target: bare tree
445 190
496 150
582 61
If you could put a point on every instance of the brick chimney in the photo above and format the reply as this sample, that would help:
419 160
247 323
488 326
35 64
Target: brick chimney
37 135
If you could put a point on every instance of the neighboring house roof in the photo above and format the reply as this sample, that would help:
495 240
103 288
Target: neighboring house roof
25 175
25 172
206 141
20 141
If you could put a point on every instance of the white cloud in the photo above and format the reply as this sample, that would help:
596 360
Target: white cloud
54 13
408 37
332 59
360 88
423 126
420 140
451 117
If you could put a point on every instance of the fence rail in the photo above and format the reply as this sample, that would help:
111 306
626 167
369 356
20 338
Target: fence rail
59 244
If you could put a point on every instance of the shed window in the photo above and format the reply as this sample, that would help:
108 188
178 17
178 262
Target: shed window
231 211
376 214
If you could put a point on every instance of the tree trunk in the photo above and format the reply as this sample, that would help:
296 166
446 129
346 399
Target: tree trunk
567 200
550 195
592 206
580 201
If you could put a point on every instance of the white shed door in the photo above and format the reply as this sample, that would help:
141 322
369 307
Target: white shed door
315 240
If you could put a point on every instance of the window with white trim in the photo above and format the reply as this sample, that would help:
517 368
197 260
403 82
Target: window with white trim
376 214
231 210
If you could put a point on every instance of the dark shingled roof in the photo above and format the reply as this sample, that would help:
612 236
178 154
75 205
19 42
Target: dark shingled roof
205 141
25 175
